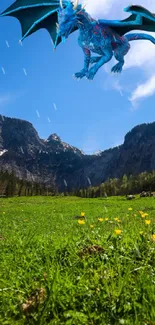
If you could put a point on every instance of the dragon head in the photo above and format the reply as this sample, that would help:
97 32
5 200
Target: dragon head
67 18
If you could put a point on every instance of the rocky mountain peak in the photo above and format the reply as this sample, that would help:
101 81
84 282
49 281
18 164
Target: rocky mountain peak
54 137
139 134
16 133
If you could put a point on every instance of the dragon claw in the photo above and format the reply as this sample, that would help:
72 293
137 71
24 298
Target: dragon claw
80 75
117 68
90 74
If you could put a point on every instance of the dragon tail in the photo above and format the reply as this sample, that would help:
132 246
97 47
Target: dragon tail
140 36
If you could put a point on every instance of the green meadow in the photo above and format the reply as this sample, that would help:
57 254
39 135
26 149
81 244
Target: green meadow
55 269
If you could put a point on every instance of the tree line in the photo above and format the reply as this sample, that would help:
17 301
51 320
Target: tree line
10 185
120 186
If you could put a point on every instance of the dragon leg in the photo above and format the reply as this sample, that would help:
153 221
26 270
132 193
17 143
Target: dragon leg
107 56
95 59
83 72
119 54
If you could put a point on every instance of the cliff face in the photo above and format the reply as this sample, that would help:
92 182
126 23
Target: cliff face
53 161
137 154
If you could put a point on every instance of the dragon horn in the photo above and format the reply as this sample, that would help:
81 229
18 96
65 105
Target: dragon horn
76 4
84 5
61 4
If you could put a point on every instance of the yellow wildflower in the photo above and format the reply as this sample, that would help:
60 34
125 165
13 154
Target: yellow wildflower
118 231
100 219
81 222
118 220
141 212
153 237
82 214
143 215
147 222
130 209
91 226
106 219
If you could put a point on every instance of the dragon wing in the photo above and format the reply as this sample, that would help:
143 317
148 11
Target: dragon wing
36 14
141 19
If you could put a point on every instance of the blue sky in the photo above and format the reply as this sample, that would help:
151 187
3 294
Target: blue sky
37 84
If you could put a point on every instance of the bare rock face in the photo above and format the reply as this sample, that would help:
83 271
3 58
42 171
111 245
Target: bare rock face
51 161
57 163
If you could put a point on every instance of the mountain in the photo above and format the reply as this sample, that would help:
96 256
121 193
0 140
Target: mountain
57 163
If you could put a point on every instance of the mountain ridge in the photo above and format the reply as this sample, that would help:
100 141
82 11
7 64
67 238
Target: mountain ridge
58 163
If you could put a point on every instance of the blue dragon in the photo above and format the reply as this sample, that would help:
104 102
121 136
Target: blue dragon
105 38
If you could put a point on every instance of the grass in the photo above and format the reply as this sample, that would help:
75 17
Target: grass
54 270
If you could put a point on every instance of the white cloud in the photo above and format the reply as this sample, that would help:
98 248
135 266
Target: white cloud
113 8
143 90
96 8
140 54
116 85
113 82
